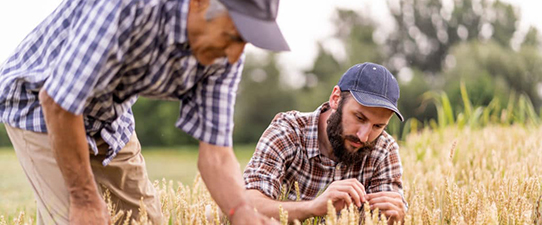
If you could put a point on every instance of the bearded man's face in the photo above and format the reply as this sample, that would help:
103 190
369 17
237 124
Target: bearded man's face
337 137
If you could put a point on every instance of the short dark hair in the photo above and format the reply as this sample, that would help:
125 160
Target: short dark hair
345 95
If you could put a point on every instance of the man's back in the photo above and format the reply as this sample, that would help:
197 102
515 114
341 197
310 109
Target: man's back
96 57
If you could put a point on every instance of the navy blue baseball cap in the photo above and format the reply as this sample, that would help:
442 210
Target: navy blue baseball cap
372 85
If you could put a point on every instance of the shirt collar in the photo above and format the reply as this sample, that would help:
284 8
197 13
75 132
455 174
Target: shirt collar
313 149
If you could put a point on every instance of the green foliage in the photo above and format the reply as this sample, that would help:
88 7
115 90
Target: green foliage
262 94
155 123
4 139
520 110
444 109
356 32
531 39
426 30
411 101
491 70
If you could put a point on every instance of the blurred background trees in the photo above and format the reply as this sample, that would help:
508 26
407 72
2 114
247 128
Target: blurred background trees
431 46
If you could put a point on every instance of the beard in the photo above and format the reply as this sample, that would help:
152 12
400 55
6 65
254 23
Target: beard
337 140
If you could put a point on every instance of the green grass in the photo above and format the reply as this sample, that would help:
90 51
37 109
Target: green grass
16 194
177 164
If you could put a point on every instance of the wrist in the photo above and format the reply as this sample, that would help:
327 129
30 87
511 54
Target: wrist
317 207
235 209
84 197
310 208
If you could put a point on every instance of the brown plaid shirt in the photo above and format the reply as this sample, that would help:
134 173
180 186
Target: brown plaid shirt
288 152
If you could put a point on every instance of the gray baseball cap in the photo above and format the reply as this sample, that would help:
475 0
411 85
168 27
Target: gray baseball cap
256 22
372 85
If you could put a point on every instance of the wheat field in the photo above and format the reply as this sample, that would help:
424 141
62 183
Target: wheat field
491 175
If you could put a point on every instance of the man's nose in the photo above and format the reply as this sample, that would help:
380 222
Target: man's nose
234 51
363 132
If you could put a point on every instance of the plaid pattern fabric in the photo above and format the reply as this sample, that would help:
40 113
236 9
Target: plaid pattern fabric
96 57
288 152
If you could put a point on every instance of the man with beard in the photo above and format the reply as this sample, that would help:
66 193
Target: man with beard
339 152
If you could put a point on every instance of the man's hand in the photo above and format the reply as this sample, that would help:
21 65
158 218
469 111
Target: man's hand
341 193
390 204
94 212
247 215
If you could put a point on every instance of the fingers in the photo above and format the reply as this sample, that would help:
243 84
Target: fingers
384 206
336 196
391 199
385 193
391 211
360 189
389 203
353 187
386 197
350 192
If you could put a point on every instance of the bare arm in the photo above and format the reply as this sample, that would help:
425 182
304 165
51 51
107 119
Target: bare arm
269 207
221 173
341 193
67 137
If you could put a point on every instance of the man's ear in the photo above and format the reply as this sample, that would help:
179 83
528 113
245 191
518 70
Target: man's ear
199 6
335 97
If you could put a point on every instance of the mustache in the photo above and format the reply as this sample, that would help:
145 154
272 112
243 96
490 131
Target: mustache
368 145
353 138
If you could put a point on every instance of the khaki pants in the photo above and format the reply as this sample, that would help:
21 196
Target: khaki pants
125 177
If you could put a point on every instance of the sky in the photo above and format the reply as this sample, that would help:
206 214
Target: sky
303 23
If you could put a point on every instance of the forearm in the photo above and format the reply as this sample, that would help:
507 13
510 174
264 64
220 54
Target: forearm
67 137
220 171
296 210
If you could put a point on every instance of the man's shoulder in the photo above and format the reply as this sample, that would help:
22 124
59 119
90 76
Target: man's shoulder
385 144
291 127
292 119
387 138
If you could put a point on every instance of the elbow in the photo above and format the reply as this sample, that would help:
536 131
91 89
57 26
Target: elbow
46 101
50 107
201 163
215 156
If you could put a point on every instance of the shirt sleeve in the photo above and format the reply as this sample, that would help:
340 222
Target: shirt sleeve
89 55
267 167
207 110
388 172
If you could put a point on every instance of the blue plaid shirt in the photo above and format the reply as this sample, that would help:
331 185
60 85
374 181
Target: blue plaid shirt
96 57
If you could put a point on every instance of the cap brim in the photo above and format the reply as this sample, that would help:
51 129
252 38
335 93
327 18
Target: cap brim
375 101
260 33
